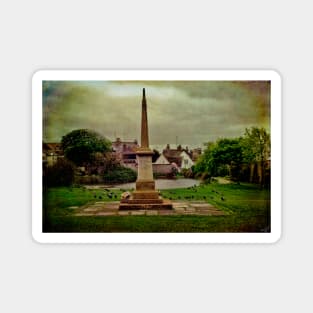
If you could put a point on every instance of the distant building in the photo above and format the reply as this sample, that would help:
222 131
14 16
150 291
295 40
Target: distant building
162 160
51 152
163 167
125 151
181 158
187 161
195 154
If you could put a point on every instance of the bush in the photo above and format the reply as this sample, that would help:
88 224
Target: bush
120 174
59 174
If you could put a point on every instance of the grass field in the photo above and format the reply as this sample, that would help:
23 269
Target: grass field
247 209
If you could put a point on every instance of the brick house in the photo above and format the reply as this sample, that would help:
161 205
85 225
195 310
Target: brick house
125 152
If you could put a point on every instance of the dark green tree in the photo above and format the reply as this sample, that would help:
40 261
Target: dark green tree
224 153
80 146
228 152
256 145
206 166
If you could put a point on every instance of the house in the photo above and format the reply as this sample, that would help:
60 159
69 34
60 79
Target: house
179 157
187 161
195 154
125 151
51 152
162 160
162 167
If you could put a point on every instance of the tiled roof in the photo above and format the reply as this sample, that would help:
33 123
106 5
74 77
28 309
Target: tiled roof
173 156
52 146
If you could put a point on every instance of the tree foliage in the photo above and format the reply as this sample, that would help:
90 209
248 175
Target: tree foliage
220 156
227 152
256 145
206 165
228 155
80 146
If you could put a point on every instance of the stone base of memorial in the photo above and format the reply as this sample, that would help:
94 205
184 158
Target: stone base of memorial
145 204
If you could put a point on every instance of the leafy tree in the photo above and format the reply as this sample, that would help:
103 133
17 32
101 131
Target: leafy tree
228 152
206 166
80 146
225 152
111 162
256 145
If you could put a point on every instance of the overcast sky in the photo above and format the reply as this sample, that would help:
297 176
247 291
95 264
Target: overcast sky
187 112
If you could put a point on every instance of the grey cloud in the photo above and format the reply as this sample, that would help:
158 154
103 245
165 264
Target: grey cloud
195 112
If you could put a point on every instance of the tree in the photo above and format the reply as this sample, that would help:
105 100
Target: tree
256 145
224 153
80 146
228 152
205 165
111 161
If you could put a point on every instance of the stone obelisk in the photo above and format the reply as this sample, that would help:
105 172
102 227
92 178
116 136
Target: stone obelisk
145 196
145 185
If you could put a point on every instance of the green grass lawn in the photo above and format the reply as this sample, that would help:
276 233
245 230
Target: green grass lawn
247 209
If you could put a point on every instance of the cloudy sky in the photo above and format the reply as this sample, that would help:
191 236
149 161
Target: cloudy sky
187 112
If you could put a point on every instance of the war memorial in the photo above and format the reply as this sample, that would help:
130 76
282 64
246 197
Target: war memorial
145 196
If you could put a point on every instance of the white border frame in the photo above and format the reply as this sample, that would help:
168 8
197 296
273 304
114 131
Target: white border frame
223 75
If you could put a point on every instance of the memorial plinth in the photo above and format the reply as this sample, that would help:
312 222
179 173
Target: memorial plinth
145 196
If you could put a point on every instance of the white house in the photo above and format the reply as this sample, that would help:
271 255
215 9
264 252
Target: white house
178 156
186 160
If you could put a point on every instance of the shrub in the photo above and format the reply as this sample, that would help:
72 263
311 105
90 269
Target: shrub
59 174
120 174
